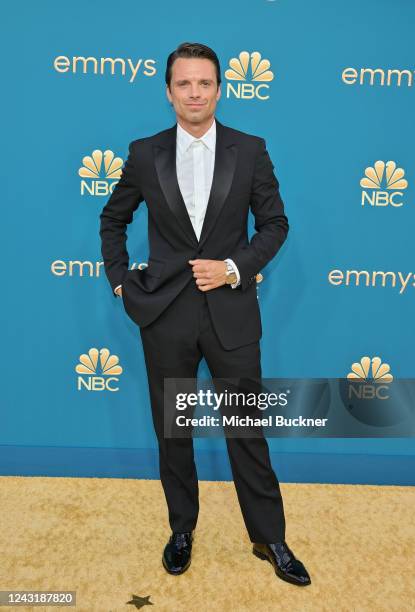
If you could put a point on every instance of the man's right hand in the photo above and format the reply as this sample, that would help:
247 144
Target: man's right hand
118 291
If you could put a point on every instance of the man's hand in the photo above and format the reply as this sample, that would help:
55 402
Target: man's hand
118 291
209 273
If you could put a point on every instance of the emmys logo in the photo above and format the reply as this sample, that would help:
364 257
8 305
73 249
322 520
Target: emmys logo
86 268
391 77
109 370
249 67
371 376
393 183
102 177
102 66
372 278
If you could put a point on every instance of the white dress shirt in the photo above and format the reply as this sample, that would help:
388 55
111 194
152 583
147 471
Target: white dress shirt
195 162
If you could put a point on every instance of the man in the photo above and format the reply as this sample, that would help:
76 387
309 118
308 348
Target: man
197 297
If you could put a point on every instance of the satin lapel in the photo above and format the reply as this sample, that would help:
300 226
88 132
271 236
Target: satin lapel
165 162
224 170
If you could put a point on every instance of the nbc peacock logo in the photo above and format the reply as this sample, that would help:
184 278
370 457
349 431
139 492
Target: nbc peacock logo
248 67
98 371
100 172
383 185
374 398
372 377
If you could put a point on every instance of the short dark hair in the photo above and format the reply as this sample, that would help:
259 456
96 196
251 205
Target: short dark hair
188 49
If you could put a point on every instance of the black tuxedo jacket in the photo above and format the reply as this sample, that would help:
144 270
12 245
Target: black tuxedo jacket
243 178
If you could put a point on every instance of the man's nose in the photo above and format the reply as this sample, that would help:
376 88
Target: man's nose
195 91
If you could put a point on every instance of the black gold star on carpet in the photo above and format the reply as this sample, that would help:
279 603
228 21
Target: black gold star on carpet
139 602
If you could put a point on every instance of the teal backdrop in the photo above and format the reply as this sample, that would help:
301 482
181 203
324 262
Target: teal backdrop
341 99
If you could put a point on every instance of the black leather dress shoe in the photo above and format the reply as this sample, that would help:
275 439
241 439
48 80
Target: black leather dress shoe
177 554
286 566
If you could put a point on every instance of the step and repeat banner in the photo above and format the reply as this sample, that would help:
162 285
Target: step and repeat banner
329 85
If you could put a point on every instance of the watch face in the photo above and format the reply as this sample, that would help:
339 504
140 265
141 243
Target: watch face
231 278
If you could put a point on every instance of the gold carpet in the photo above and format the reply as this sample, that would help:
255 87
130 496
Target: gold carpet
103 538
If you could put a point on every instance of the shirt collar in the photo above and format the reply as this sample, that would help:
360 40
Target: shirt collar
185 138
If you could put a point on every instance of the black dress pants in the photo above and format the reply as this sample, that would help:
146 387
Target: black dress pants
174 345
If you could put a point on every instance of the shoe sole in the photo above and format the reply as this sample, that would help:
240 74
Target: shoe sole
279 574
175 573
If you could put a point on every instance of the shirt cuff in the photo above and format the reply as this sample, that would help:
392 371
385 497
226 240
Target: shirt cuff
115 290
235 269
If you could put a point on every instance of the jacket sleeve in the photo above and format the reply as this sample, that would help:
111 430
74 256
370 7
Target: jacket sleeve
271 224
116 214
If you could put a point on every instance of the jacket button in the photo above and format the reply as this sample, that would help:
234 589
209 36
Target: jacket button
200 251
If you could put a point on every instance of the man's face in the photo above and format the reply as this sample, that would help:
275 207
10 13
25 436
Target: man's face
193 89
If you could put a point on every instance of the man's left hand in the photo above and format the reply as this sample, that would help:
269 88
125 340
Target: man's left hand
209 273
